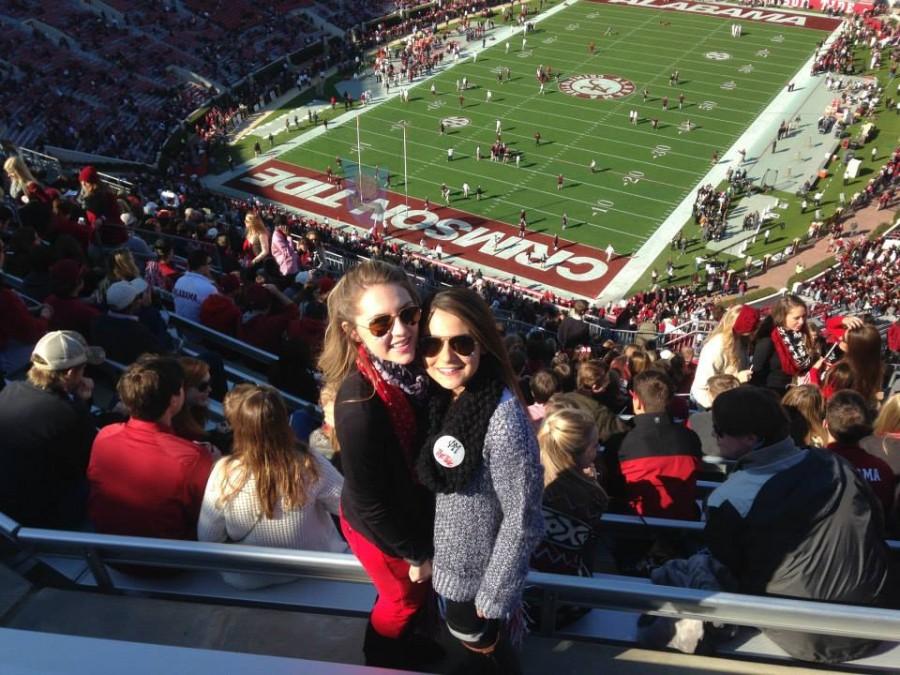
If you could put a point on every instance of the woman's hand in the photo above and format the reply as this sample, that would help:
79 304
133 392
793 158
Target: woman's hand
744 375
852 322
419 574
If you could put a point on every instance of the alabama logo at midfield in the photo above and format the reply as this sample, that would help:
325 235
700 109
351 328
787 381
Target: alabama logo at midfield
597 86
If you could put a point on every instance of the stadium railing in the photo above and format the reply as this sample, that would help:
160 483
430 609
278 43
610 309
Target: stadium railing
84 558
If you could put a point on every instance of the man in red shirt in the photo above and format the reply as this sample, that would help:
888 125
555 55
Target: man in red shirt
849 420
269 311
144 480
70 312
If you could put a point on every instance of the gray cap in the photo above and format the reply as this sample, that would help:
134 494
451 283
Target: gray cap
64 349
121 294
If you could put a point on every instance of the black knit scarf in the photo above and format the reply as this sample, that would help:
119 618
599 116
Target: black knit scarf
465 420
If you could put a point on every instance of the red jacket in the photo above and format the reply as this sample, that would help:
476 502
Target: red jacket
220 313
16 322
72 314
265 331
656 469
876 472
145 481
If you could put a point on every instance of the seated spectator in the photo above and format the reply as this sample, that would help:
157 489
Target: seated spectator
269 311
573 331
591 394
70 312
830 549
220 311
120 266
190 422
543 385
861 344
120 332
654 471
805 407
884 443
848 420
573 500
323 440
701 422
271 491
310 327
139 248
19 328
36 284
18 260
162 273
726 351
145 480
194 286
47 431
572 505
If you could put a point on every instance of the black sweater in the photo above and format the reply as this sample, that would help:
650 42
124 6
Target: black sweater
767 370
381 499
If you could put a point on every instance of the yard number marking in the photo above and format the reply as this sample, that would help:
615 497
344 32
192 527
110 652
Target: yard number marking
603 206
573 26
731 85
746 69
764 53
434 105
660 151
632 178
707 105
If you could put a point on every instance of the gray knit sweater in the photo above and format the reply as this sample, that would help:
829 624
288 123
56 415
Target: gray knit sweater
484 535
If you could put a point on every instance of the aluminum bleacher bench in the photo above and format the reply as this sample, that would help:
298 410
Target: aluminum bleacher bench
336 583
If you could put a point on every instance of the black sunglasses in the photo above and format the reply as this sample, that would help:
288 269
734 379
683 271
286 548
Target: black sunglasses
381 325
203 386
464 345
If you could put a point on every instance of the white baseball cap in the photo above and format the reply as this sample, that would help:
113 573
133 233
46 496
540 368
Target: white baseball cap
64 349
121 294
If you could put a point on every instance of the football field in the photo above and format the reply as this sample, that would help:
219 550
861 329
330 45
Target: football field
641 173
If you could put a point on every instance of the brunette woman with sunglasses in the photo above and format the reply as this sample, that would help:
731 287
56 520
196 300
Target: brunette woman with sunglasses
190 422
481 458
387 516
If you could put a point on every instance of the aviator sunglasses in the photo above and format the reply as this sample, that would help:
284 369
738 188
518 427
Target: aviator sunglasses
463 345
382 324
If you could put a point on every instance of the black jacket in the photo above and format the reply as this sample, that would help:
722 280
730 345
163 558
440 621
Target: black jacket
802 524
44 451
767 370
573 333
123 340
381 499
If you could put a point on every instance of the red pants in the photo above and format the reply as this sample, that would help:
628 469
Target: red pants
398 598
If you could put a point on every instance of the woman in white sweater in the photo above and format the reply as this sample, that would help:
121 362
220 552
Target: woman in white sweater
726 351
271 491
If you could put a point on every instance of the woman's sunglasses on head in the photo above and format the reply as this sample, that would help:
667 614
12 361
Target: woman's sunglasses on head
382 324
463 345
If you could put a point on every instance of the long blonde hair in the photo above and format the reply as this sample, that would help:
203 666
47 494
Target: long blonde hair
807 400
732 345
254 224
266 450
122 266
338 350
565 435
888 421
18 170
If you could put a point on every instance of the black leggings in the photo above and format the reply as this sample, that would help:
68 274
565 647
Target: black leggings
469 628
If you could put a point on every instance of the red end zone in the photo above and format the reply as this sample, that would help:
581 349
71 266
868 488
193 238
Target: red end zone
577 269
765 14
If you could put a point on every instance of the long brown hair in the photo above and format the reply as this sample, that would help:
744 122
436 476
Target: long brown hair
190 421
471 308
808 401
338 350
266 450
777 317
864 356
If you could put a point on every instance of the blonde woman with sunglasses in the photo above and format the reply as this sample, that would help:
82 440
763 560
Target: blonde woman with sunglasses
481 458
387 516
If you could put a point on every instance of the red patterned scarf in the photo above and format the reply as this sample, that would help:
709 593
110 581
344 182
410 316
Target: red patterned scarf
400 411
790 345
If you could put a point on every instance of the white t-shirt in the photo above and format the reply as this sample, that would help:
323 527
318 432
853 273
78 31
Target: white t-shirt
190 291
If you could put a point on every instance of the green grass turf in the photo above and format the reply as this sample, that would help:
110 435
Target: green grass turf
885 138
644 47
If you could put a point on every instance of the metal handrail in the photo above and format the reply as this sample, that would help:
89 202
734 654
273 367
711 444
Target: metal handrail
243 348
609 591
